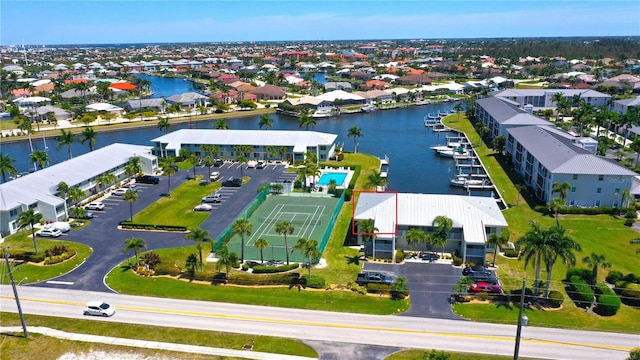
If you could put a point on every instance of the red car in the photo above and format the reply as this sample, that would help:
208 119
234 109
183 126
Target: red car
485 287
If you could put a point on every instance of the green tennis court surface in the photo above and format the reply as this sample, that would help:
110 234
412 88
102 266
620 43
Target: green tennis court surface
309 216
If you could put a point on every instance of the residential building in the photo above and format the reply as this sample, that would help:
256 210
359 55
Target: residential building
474 218
189 100
500 114
543 98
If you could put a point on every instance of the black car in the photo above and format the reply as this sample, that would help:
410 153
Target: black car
148 179
218 162
475 270
232 182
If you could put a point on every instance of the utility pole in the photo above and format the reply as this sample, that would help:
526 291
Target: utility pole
519 331
15 294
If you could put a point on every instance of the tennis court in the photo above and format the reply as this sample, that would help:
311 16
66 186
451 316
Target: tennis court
311 218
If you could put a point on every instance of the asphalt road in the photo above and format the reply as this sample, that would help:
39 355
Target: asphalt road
306 325
107 241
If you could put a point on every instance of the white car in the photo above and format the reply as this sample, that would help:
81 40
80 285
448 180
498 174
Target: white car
50 232
129 186
261 164
60 225
215 176
121 191
212 198
203 207
99 308
95 206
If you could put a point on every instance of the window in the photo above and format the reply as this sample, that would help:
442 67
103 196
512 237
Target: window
597 202
600 177
13 212
598 190
575 176
616 191
573 189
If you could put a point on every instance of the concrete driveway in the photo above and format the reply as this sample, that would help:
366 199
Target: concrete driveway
107 241
430 286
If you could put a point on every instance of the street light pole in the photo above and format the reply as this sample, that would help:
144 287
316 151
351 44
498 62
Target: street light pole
519 331
15 294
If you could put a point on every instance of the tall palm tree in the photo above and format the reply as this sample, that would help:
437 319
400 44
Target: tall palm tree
265 121
355 132
261 244
226 259
6 166
209 162
555 205
562 246
63 189
285 228
135 244
26 127
282 151
130 196
560 101
241 227
164 124
309 249
211 150
376 180
443 225
105 179
562 189
497 241
307 121
458 108
519 188
76 194
414 236
596 261
66 138
221 124
533 245
133 166
368 228
28 219
39 157
168 170
89 135
200 236
635 147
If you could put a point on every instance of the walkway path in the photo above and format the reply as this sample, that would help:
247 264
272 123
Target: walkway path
155 345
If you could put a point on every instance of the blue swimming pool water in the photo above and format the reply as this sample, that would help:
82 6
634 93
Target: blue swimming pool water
326 178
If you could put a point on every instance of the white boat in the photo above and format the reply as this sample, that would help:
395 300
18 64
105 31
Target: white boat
459 151
438 148
368 108
465 181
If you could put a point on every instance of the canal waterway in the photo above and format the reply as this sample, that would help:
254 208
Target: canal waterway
163 87
398 133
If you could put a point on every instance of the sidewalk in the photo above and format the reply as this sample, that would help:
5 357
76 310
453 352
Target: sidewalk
152 344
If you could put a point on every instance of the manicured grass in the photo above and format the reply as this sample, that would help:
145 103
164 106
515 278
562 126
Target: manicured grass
178 209
20 348
34 273
424 354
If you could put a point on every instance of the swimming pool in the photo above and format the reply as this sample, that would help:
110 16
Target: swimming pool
338 177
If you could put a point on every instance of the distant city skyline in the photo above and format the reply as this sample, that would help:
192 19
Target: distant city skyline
98 22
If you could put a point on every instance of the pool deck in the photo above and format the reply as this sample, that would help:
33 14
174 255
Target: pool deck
329 170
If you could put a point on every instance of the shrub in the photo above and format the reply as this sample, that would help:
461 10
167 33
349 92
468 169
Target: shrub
634 354
151 259
457 261
399 255
584 274
555 299
314 282
245 267
262 269
608 302
614 276
56 250
580 291
362 290
629 222
400 290
629 292
511 253
36 258
632 278
378 288
166 269
631 214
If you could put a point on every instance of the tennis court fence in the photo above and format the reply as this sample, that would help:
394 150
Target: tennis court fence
298 222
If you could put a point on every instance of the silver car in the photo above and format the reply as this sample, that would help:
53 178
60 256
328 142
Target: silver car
99 308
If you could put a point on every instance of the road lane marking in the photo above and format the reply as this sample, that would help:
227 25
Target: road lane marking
60 282
334 325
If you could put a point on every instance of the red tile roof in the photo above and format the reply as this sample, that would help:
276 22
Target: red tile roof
123 86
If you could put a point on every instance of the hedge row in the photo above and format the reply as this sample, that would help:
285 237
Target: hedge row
56 259
629 292
555 299
315 282
263 269
584 274
615 276
130 225
580 292
608 302
580 210
511 253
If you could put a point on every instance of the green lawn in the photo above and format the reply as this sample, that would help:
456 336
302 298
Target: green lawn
42 347
424 354
22 241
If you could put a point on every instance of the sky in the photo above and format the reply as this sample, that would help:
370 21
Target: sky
52 22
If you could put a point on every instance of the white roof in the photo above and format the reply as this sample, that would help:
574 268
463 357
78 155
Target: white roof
450 85
339 94
103 107
470 213
299 140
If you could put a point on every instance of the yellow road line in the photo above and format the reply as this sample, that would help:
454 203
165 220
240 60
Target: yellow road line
333 325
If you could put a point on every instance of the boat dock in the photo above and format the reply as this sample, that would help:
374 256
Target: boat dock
384 167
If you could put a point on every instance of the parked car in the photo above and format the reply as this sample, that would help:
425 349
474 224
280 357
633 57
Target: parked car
261 164
99 308
60 225
96 205
218 162
147 179
232 182
203 207
483 277
49 232
212 198
485 287
121 191
476 270
215 176
251 164
129 186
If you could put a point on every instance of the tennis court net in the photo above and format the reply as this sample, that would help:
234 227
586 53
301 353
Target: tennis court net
296 222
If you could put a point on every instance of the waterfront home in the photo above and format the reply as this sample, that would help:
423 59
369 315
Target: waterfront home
543 98
312 103
145 104
58 113
189 100
105 107
377 96
622 106
295 143
269 92
342 97
474 219
38 190
499 114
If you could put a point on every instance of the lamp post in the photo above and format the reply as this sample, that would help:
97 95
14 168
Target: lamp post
522 320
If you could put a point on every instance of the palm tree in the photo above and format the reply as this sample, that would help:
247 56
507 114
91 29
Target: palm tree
368 228
534 245
626 197
519 188
635 147
285 228
265 121
555 205
241 227
458 108
200 236
66 138
169 170
209 162
89 135
211 150
6 166
105 179
376 180
306 120
283 152
133 166
443 225
63 189
355 132
134 244
561 188
560 245
30 218
560 101
164 124
193 160
308 248
595 261
76 194
261 244
39 157
221 124
415 235
130 196
226 259
497 241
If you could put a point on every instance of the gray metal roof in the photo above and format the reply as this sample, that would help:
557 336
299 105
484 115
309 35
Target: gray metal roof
498 109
